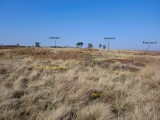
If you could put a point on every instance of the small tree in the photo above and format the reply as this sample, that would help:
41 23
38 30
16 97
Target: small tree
79 44
37 44
90 45
17 44
104 46
100 45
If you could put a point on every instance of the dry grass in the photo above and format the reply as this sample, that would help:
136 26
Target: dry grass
130 85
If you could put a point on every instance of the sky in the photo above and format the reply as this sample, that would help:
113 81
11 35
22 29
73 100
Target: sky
130 22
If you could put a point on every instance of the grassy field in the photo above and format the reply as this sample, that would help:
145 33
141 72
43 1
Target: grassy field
79 84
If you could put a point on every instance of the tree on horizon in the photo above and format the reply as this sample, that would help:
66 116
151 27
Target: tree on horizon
100 45
104 46
79 44
90 45
37 44
17 44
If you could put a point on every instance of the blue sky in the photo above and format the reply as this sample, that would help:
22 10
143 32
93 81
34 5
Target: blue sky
130 21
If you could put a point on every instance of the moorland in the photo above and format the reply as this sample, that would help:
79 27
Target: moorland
79 84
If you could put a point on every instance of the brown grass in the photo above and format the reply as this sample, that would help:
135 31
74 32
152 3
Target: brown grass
127 85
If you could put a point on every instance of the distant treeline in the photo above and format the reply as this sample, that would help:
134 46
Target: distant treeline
14 46
10 46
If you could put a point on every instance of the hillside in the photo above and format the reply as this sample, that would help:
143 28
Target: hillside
79 84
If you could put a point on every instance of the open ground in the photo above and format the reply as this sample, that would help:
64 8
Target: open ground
79 84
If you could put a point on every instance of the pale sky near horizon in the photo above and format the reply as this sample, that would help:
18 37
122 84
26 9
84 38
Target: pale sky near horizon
130 21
